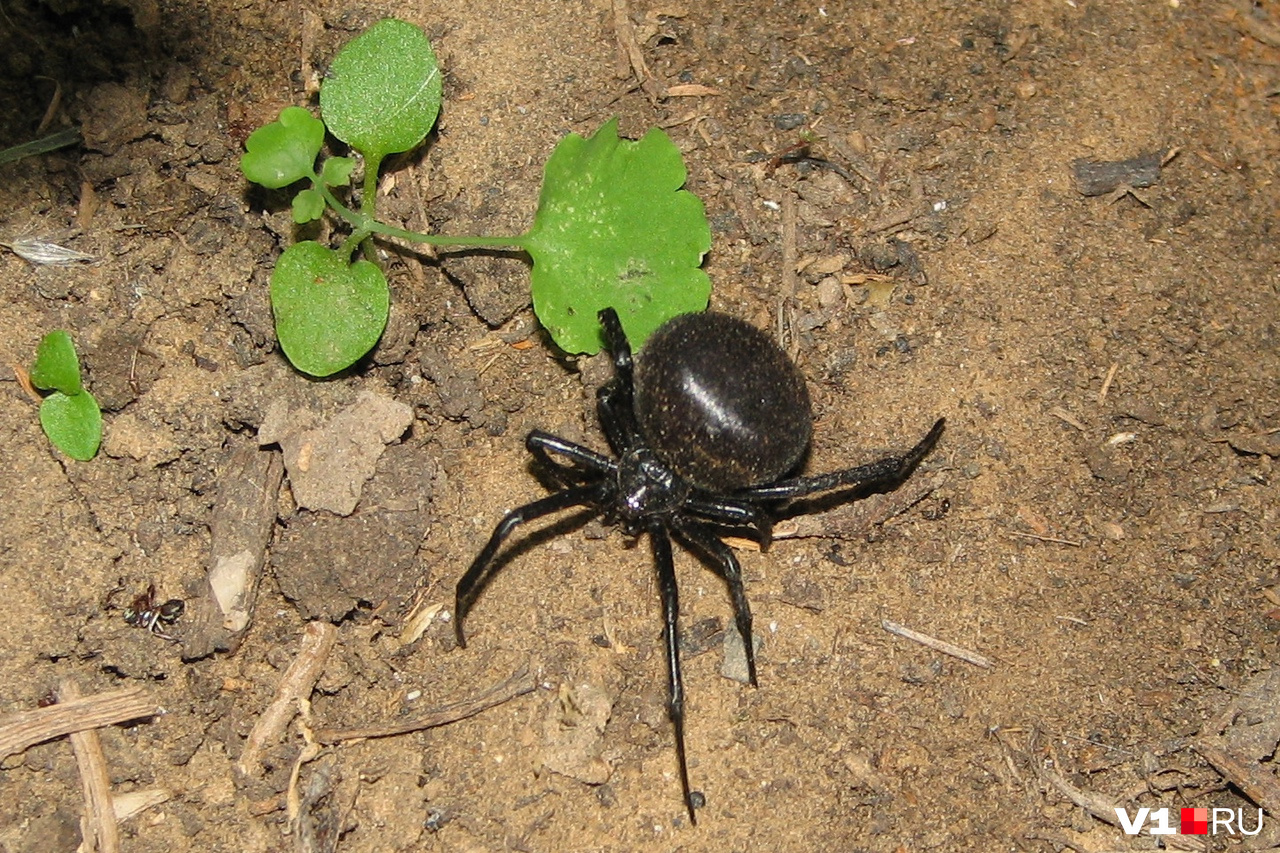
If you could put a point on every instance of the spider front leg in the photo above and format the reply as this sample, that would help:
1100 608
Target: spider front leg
474 579
615 401
587 463
660 542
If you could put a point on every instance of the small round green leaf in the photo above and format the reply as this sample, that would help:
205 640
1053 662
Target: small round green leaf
308 205
56 366
284 151
615 229
328 313
73 423
382 94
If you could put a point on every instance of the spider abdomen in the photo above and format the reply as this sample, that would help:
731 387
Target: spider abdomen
721 403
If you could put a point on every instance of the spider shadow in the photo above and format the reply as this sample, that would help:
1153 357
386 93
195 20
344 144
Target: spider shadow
819 504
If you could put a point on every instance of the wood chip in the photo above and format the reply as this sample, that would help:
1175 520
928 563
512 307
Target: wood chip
244 515
1099 177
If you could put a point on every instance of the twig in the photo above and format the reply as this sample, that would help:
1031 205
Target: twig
1067 418
517 685
938 645
297 683
28 728
1073 543
626 33
102 834
1263 31
1106 383
787 339
1098 805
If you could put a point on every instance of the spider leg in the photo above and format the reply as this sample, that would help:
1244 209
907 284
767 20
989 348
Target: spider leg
615 401
729 511
585 460
661 545
726 565
471 584
616 340
891 469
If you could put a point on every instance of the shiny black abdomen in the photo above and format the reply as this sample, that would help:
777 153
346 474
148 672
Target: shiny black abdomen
721 403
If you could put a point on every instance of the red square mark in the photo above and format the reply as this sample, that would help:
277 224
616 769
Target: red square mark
1195 822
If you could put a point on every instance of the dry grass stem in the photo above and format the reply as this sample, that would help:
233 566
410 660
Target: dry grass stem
938 645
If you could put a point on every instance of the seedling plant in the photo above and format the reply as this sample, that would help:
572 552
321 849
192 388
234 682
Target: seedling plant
613 228
69 414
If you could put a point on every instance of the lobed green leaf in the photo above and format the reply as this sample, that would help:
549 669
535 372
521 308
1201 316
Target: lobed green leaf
615 229
284 151
307 206
336 171
383 90
328 313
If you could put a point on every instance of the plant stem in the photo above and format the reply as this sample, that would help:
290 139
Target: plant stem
364 222
369 198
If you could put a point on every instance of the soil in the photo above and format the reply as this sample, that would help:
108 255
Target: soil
891 184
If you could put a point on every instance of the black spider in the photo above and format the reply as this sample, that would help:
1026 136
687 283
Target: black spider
705 427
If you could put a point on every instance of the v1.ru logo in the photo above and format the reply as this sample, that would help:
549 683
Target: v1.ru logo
1193 822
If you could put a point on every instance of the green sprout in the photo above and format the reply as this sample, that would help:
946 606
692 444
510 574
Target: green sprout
69 414
613 226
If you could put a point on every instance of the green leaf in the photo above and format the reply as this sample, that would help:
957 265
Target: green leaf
284 151
382 93
56 366
614 228
308 205
328 313
336 171
73 423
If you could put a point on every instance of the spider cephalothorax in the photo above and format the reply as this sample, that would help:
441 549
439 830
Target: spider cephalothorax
705 430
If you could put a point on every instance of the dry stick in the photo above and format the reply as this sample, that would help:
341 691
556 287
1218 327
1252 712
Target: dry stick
28 728
1257 782
1267 33
102 833
790 260
298 680
1098 805
939 645
1106 383
518 684
626 33
1037 537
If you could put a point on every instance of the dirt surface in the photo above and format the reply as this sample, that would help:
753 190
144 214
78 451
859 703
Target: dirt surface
1099 520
